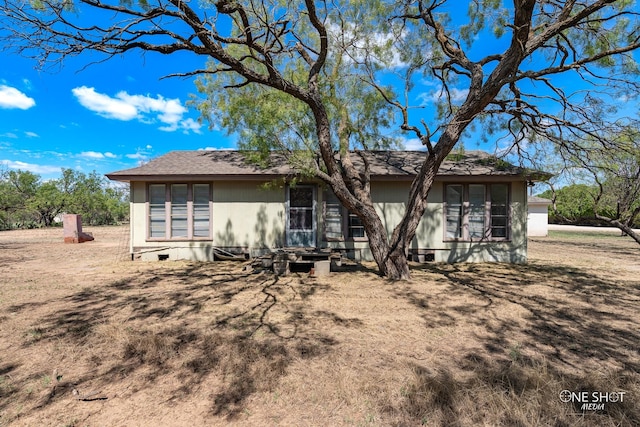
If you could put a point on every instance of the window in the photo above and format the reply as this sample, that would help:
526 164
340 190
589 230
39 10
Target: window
179 211
201 210
476 212
157 210
499 211
356 227
301 208
453 211
333 209
335 216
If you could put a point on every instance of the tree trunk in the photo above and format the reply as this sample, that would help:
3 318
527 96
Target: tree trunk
46 218
624 227
351 188
392 261
396 266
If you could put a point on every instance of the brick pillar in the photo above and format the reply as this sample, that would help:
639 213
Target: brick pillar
72 224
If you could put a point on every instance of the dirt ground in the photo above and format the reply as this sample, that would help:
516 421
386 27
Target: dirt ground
89 338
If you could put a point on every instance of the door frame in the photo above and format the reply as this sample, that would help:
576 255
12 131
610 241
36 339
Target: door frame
314 219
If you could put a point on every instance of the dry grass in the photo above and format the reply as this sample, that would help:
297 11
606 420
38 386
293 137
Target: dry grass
179 343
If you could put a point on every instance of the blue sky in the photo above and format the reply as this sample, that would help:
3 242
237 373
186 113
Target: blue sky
118 113
108 116
105 117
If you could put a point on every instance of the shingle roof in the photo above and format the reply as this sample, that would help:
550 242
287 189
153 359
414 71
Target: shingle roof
181 165
538 200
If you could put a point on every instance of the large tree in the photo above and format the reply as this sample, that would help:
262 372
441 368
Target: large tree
614 171
341 66
618 181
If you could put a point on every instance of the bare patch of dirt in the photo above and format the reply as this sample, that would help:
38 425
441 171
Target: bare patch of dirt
88 337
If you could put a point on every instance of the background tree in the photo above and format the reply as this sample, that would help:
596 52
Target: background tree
26 201
572 204
498 66
616 174
47 203
609 176
618 183
16 188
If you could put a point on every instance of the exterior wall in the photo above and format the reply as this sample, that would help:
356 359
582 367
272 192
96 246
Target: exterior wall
390 201
138 216
513 250
538 220
246 217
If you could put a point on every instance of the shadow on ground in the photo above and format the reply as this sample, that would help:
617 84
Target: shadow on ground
543 328
539 329
199 322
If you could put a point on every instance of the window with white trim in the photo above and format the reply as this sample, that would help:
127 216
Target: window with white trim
179 211
475 212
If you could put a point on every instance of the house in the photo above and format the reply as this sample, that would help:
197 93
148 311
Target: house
538 216
186 203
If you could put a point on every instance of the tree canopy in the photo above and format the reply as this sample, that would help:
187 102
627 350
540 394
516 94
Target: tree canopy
321 77
610 192
26 201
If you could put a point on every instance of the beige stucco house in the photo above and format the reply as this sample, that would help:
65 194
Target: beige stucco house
186 203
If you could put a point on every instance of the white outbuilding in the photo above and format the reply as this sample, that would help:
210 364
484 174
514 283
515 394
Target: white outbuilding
538 216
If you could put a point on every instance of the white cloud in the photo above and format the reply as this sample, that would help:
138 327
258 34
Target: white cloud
91 155
111 108
143 108
413 144
30 167
216 149
376 47
11 97
13 135
186 126
97 155
191 125
627 97
457 95
73 124
136 156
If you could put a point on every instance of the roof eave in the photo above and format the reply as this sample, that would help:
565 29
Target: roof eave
268 177
193 177
538 176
